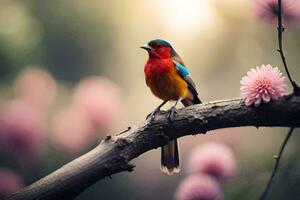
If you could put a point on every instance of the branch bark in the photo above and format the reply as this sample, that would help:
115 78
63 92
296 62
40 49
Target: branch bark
114 153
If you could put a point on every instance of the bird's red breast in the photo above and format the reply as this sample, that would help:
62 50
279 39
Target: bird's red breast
163 79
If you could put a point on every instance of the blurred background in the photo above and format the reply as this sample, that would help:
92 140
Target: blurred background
71 72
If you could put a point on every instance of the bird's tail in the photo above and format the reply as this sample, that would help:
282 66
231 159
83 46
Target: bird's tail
191 101
169 152
170 158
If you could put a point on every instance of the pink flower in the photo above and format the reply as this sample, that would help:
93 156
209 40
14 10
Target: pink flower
21 128
71 130
262 84
101 99
199 187
214 159
267 11
37 87
9 182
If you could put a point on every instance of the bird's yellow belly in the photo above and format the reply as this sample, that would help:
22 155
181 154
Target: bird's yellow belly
168 86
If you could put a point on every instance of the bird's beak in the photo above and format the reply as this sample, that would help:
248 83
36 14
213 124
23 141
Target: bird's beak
146 47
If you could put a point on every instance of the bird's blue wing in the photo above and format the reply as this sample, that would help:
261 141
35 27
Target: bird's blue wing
181 69
185 74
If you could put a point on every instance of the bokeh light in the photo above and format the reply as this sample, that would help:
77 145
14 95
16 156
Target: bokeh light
71 130
199 187
36 87
22 128
10 182
216 160
185 17
101 99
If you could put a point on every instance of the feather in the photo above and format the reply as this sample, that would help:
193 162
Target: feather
170 158
182 70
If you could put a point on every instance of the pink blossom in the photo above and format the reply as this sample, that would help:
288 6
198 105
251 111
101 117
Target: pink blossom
262 84
199 187
101 99
9 182
72 130
214 159
267 11
21 128
37 87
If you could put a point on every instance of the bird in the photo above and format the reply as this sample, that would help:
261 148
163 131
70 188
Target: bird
168 79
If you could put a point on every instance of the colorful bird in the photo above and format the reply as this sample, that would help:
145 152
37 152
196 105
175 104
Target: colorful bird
169 80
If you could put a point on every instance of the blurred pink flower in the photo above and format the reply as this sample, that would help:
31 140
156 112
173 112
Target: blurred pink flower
262 84
9 182
214 159
21 128
37 87
72 130
267 11
199 187
101 99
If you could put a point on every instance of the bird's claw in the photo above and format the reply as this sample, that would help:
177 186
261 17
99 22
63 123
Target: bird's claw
152 114
171 113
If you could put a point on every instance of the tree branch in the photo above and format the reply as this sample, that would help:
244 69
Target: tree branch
280 30
277 161
113 154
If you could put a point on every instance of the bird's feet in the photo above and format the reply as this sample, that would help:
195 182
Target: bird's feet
171 113
152 114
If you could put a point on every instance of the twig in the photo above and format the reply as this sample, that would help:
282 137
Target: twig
280 29
277 160
114 153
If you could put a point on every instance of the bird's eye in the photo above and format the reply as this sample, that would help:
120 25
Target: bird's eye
159 46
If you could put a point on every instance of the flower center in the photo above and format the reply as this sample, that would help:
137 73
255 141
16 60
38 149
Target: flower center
263 85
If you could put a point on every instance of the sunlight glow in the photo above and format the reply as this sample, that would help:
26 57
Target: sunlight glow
186 16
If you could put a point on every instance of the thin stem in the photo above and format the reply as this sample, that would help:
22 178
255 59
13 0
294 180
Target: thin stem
277 160
280 29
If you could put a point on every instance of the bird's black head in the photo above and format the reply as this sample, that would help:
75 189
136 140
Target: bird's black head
159 42
159 48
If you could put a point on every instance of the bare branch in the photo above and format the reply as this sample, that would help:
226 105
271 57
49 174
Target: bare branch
296 88
280 30
277 161
113 154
